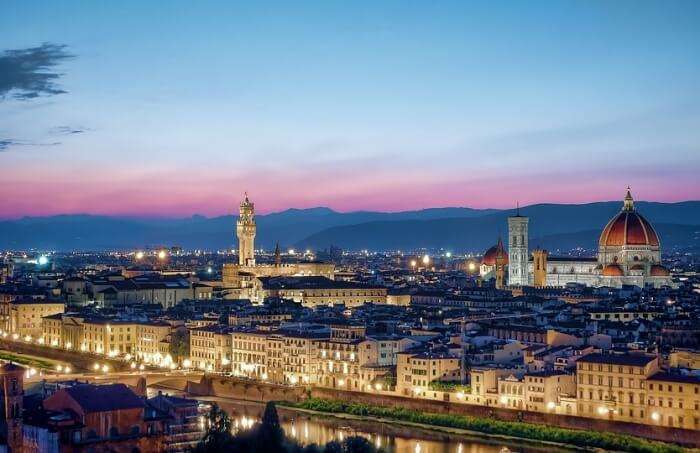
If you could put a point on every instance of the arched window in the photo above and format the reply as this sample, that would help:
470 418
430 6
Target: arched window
113 431
135 430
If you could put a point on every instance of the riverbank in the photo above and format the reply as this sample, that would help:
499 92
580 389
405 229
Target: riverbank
28 360
310 426
503 430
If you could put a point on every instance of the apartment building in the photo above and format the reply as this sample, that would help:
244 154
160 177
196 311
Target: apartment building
26 316
415 371
300 356
544 389
614 386
210 347
339 359
673 400
249 353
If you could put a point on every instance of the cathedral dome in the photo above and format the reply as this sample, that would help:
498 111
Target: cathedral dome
659 271
628 227
489 258
612 270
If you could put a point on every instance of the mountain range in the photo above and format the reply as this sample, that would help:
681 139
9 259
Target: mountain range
554 226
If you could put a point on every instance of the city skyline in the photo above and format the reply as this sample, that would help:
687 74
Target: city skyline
385 107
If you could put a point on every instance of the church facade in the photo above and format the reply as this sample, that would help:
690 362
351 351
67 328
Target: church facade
629 253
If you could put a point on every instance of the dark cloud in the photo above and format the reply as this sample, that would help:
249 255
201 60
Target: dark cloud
7 143
30 73
68 130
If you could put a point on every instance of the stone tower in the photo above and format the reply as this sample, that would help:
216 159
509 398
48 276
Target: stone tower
500 265
245 230
539 267
517 250
12 378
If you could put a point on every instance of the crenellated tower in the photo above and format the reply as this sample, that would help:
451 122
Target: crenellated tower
245 230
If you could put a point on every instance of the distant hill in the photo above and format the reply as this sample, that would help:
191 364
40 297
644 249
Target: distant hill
454 228
551 225
88 232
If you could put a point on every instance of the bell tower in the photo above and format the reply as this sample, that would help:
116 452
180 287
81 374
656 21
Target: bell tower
518 250
12 381
245 230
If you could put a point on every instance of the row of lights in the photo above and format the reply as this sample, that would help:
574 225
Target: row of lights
157 359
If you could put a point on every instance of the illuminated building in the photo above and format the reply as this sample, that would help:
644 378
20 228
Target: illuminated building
629 253
26 315
416 370
239 276
614 386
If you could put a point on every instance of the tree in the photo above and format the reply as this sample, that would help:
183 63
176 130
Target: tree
270 434
179 344
353 444
218 435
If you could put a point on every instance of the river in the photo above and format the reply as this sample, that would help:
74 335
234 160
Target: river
394 438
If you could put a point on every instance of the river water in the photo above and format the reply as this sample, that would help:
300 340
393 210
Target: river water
321 429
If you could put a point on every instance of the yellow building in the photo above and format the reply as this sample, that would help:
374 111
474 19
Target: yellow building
274 360
511 392
544 390
613 386
484 382
319 291
339 359
210 347
150 338
52 330
684 358
249 353
415 371
673 400
109 337
26 316
300 357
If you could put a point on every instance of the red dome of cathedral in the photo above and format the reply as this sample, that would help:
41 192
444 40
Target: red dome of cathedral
628 227
659 271
612 270
489 258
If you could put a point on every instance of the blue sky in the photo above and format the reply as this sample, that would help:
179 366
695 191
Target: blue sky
178 107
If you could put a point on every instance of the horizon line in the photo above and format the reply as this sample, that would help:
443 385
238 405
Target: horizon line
266 213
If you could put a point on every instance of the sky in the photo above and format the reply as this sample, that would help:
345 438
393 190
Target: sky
175 108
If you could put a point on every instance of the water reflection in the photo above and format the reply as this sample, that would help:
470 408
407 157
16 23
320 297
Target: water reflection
312 430
319 430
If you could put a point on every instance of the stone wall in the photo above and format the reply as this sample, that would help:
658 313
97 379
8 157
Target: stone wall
227 387
80 361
